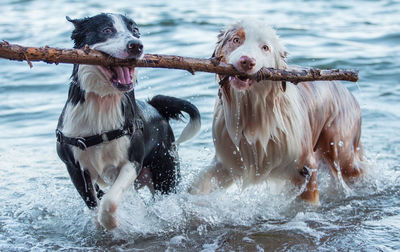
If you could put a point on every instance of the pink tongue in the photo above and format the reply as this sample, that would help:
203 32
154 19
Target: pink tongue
123 75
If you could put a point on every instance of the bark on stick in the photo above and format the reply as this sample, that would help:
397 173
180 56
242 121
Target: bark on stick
93 57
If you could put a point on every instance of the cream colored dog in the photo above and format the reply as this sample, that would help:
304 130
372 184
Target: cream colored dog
270 129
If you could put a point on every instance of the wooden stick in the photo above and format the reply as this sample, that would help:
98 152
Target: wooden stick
93 57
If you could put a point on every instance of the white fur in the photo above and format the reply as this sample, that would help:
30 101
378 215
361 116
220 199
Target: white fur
93 80
112 198
190 130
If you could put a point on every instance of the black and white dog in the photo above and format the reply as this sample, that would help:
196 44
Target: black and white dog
108 139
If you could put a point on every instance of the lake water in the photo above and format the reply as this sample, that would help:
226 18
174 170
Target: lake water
41 210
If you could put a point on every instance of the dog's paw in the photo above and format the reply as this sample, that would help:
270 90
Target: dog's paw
107 214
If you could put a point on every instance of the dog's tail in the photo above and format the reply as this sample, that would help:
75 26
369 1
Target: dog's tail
171 107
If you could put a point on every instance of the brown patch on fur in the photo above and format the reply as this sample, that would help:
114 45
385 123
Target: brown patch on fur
224 44
241 34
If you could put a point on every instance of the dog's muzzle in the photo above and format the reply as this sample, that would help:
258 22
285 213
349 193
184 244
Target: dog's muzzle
134 49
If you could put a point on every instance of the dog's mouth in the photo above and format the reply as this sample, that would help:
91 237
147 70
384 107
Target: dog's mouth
120 77
240 82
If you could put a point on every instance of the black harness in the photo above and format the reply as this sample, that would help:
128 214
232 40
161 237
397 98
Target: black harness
131 125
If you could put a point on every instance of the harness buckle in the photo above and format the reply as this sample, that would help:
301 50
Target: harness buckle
104 137
80 142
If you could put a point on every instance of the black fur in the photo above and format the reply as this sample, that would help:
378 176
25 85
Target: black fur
76 94
80 178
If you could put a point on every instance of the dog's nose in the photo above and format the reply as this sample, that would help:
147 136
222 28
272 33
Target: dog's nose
247 63
135 47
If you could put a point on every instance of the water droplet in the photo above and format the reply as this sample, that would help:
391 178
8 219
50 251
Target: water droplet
340 143
234 152
213 180
332 143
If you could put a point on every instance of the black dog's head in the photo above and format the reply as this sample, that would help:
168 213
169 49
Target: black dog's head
115 35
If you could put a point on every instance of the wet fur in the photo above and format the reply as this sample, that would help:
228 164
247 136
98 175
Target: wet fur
279 130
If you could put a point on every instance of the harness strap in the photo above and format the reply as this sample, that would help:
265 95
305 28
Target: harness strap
85 142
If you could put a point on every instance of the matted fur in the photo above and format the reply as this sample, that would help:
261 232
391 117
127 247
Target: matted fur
262 130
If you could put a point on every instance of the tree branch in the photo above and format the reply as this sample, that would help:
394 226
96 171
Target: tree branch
213 65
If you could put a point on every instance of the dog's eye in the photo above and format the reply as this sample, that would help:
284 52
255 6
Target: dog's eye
265 48
107 31
136 30
236 40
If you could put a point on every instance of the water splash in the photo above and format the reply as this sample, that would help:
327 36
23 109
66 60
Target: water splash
346 189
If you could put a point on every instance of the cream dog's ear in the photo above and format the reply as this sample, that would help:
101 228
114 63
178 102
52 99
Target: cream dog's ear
223 38
218 45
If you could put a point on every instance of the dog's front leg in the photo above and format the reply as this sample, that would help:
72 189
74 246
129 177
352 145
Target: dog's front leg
111 200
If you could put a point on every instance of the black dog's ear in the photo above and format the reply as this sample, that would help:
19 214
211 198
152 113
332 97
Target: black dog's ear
73 21
77 36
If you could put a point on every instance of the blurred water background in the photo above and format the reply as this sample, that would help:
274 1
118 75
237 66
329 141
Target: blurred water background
41 210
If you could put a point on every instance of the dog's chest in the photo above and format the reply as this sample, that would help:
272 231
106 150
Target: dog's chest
95 117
